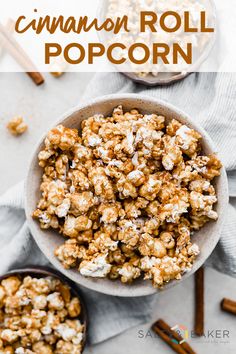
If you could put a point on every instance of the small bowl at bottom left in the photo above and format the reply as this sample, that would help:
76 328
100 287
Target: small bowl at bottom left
41 312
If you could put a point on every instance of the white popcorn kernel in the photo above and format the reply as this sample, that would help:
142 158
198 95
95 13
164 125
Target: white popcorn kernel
97 268
94 140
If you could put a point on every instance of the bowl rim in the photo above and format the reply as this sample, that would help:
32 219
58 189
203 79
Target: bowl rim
86 281
43 271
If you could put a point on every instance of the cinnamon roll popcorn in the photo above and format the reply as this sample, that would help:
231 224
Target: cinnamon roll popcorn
127 194
39 316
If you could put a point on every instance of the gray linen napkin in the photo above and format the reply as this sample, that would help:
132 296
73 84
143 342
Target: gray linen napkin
207 97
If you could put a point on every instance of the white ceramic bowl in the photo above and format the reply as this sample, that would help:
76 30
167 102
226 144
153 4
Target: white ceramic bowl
206 238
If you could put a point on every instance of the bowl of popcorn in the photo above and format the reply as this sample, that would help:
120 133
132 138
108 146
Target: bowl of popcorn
40 313
144 49
126 195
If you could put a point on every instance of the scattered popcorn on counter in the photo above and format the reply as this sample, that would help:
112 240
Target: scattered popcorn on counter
127 195
58 67
17 126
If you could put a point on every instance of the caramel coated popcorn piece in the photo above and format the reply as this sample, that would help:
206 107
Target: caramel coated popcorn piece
172 155
81 203
126 194
74 307
17 126
129 272
68 253
64 347
62 137
150 188
101 183
10 285
150 246
109 212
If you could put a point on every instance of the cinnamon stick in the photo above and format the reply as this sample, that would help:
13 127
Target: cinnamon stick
176 347
10 26
228 306
170 337
199 302
36 77
18 53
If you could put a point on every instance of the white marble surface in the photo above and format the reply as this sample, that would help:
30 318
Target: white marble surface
40 107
